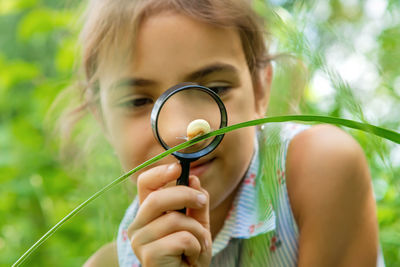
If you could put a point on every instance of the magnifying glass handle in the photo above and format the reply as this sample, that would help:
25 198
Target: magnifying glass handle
184 178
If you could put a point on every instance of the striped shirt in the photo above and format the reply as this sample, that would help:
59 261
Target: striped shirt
260 229
256 239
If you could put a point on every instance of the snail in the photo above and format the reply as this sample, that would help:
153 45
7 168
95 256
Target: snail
196 128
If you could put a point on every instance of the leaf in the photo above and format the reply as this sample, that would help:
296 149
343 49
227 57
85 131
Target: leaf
14 72
42 21
66 55
12 6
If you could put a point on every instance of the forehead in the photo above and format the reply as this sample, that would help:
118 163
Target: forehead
169 44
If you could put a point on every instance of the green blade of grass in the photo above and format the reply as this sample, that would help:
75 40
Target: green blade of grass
378 131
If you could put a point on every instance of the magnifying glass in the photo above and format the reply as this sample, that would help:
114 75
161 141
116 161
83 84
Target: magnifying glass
175 109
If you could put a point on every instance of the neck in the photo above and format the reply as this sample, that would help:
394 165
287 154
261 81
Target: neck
218 215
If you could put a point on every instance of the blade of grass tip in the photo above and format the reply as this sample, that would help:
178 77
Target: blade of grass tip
369 128
117 181
379 131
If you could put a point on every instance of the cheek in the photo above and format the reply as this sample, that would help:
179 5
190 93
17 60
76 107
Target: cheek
135 144
130 145
241 108
131 140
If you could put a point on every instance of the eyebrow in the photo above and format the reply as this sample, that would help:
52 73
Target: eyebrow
195 76
211 69
134 82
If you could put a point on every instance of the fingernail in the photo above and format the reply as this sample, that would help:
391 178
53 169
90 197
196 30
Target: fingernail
194 181
202 199
171 166
206 244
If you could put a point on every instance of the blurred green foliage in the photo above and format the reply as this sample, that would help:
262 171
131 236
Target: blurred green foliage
349 52
37 57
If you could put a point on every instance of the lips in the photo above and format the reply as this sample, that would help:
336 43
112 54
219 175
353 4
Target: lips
200 167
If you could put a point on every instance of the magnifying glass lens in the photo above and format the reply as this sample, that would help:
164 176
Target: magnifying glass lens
183 108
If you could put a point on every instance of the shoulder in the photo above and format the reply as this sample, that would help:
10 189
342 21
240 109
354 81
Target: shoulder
324 140
324 163
331 196
105 256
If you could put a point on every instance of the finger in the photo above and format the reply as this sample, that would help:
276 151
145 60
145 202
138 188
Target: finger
200 214
167 224
168 199
156 178
168 250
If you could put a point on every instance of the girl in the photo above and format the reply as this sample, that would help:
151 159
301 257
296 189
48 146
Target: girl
303 199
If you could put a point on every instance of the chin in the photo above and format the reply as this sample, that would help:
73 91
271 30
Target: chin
217 198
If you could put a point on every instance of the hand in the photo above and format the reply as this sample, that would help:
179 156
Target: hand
161 236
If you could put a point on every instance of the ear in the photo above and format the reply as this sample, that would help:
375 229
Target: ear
262 87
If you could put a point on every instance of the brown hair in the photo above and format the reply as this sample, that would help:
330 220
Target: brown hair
111 25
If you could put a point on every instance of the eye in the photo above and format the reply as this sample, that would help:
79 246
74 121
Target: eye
220 89
136 103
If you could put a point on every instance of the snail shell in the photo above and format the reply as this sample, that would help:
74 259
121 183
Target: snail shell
197 128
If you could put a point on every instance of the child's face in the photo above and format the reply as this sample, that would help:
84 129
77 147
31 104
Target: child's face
171 49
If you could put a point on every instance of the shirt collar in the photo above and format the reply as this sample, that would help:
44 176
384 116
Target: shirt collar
243 220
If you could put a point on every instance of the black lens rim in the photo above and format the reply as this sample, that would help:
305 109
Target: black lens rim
160 103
